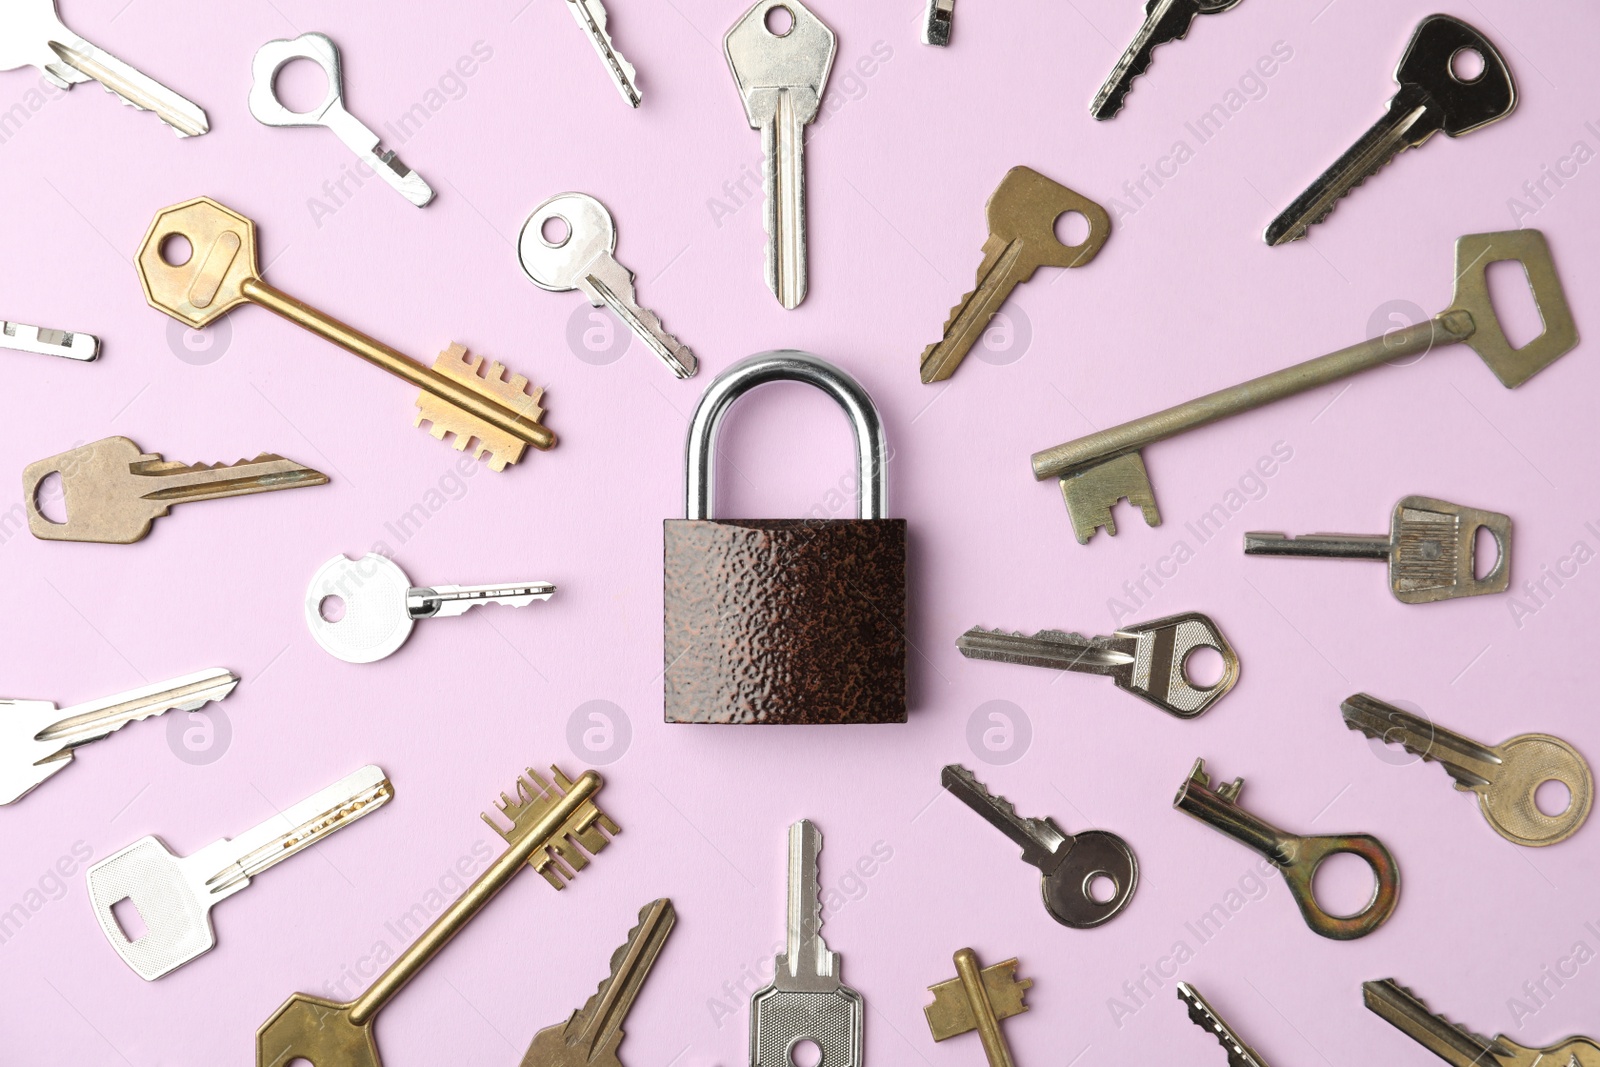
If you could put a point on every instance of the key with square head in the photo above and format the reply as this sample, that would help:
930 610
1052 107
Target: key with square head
1148 659
977 998
1432 97
113 492
1505 777
806 1000
1071 866
40 340
781 74
174 894
1460 1047
330 112
381 605
1022 216
1431 549
936 22
1098 470
1164 20
549 826
1295 856
578 255
38 740
458 396
31 33
592 1036
1206 1018
591 17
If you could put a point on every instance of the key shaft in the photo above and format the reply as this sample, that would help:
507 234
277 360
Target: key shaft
1471 764
591 16
1043 843
78 60
43 341
1165 20
448 600
1319 545
1203 1015
806 964
1403 1010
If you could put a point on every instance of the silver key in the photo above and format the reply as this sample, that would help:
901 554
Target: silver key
582 259
1071 866
32 33
1164 20
1147 659
1460 1047
781 77
20 337
38 740
174 894
806 1001
270 111
936 22
1431 98
1207 1019
381 605
591 16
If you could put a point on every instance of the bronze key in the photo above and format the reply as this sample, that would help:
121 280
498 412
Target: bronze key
457 397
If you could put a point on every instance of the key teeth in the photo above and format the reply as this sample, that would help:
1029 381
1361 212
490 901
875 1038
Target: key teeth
466 369
1443 1018
589 830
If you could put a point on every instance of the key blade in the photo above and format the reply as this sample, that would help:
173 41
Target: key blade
610 283
951 1012
998 274
1043 843
512 393
93 720
591 16
1206 1018
166 482
1165 20
784 180
1471 764
133 88
585 833
1091 493
1455 1044
1052 649
43 341
443 601
805 965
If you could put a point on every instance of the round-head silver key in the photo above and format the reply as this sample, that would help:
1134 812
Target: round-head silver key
374 622
582 230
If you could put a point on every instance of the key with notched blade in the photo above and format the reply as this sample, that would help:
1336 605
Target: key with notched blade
1460 1047
1206 1018
1432 97
977 998
1022 216
1098 470
1164 20
1147 659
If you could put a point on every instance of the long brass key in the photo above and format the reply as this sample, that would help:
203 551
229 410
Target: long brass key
1460 1047
458 396
549 821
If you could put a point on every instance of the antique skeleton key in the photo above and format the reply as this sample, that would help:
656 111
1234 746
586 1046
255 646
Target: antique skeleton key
977 998
1460 1047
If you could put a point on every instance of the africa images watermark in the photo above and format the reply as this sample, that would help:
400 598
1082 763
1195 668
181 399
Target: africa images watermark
1539 992
50 886
1535 594
1538 192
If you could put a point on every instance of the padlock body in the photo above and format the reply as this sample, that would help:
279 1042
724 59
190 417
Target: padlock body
785 621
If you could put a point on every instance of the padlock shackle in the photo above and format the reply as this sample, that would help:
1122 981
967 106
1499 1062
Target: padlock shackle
786 365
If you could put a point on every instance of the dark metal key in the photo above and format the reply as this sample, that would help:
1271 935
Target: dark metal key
1164 20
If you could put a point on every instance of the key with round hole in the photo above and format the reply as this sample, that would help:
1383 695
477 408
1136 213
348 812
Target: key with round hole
1460 1047
1505 777
1069 864
1164 20
1432 97
1296 857
459 396
1022 216
381 605
330 112
582 258
1098 470
1147 659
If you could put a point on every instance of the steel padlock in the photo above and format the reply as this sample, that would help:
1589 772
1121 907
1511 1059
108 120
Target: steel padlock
785 620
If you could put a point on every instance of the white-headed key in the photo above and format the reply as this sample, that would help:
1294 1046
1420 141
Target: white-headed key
381 605
43 341
37 739
174 895
31 33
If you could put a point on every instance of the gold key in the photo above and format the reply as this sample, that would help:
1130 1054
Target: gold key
549 821
1460 1047
977 1000
458 396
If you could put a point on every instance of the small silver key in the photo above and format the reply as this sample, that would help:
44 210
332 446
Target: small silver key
270 111
1431 549
174 894
1164 20
31 33
1147 659
582 258
1460 1047
381 605
1206 1018
20 337
936 22
38 740
806 1001
591 16
1432 97
781 74
1071 866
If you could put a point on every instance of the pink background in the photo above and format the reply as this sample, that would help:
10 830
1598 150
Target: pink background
1184 298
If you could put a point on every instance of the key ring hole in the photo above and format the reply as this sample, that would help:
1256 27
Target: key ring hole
1467 65
1100 887
331 608
555 231
1072 228
1344 885
300 86
805 1053
1552 797
1485 552
50 499
176 250
1204 667
779 20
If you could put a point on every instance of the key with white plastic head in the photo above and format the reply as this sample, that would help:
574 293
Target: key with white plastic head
582 258
31 33
1206 1018
1147 659
1164 20
1070 865
781 74
174 894
1460 1047
806 1000
330 112
38 740
591 17
381 605
1433 96
43 341
936 22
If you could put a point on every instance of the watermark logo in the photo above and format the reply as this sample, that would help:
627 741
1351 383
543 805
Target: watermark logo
1391 316
595 336
999 732
599 732
1007 337
1386 746
200 737
199 348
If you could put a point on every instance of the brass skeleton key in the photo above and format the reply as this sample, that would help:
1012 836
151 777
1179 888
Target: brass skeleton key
458 397
977 998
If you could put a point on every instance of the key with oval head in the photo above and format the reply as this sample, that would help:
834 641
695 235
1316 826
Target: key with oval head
270 111
1022 216
1460 1047
1295 856
1432 97
1164 20
578 255
1505 777
1070 865
781 73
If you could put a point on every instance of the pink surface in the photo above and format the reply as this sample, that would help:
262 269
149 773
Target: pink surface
1184 298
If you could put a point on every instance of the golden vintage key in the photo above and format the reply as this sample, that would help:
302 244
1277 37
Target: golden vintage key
220 273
